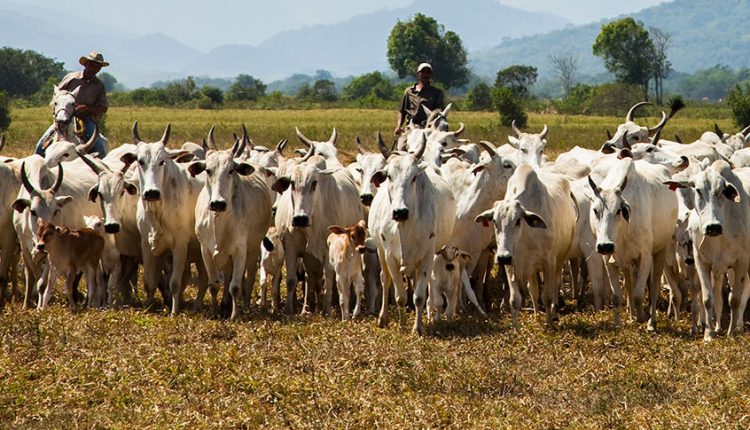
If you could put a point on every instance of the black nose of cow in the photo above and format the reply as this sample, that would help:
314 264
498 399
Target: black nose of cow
300 221
605 248
152 195
112 228
449 267
504 259
366 199
40 247
713 229
400 214
218 205
690 261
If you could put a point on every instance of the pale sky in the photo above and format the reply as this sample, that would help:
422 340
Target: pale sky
205 24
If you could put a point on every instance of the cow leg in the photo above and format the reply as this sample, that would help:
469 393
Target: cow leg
252 259
464 281
212 284
452 299
645 265
707 292
359 291
533 288
151 271
515 297
740 327
435 301
69 286
420 291
344 286
235 285
737 298
385 281
329 276
613 277
595 268
675 294
290 261
30 269
179 258
718 293
46 294
655 287
551 292
263 287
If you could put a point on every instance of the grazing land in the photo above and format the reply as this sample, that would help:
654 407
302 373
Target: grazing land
133 368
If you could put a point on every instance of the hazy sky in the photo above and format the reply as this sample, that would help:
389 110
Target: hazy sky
205 24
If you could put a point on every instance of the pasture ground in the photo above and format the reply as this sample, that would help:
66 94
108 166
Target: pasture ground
131 368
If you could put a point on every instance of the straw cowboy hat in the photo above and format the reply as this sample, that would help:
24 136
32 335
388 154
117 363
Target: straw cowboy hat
95 57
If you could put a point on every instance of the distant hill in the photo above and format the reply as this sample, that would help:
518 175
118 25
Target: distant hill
704 33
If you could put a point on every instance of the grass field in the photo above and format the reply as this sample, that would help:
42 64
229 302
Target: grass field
136 369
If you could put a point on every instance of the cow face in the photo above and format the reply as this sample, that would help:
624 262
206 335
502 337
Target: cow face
369 164
406 182
327 149
221 171
116 195
42 205
302 182
658 155
683 242
530 147
46 233
452 257
509 219
630 133
609 215
712 193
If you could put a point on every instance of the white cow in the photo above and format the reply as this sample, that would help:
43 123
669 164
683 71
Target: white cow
534 226
10 182
410 220
633 216
327 149
529 147
362 170
232 196
629 133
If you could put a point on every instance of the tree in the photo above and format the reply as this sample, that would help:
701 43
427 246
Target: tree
246 87
479 98
517 79
109 81
373 84
214 94
739 99
628 52
662 66
4 111
564 66
22 73
509 107
424 40
324 90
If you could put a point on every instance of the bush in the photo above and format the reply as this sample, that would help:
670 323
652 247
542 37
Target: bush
479 98
577 102
4 111
738 98
509 106
614 98
369 86
246 87
215 95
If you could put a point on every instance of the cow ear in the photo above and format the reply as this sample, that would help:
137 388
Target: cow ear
131 188
268 244
478 168
337 229
128 158
485 217
625 153
513 141
180 154
244 169
185 158
378 177
607 148
625 209
196 167
730 192
281 184
534 220
271 171
441 252
63 200
20 205
673 185
93 192
466 256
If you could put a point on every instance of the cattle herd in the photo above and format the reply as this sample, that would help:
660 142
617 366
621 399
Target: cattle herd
433 213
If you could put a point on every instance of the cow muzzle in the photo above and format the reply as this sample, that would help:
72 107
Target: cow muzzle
605 248
300 221
218 205
112 228
366 199
504 259
152 195
400 214
713 229
450 267
40 247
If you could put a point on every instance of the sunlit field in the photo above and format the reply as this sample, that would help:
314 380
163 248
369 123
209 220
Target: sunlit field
137 368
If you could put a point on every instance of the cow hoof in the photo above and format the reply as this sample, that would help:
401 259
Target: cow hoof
651 326
709 336
416 331
382 322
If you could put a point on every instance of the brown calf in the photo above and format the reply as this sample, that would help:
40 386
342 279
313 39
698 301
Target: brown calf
70 252
345 244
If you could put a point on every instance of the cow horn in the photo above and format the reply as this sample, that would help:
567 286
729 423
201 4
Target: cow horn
459 131
242 143
661 123
136 136
334 136
609 135
744 132
165 137
2 142
381 146
543 134
302 137
515 129
488 146
422 147
625 143
657 135
210 138
629 116
88 146
359 145
309 154
58 180
718 131
25 181
95 167
281 145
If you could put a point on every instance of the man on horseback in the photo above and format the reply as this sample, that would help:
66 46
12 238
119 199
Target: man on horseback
90 101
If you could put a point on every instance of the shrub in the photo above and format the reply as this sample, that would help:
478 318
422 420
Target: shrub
479 98
738 98
4 111
614 98
509 106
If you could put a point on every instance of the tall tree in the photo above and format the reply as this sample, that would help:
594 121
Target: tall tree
246 87
518 79
628 52
662 67
424 40
565 66
22 73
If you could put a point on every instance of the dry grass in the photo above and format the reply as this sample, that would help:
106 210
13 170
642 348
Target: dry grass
136 369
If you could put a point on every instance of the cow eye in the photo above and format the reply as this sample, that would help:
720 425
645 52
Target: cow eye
208 172
141 162
314 185
414 179
359 169
66 155
444 144
33 212
650 150
161 163
57 211
596 212
518 222
524 151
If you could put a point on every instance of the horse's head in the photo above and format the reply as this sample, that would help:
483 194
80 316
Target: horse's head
63 107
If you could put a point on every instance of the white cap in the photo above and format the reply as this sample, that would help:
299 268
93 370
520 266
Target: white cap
424 66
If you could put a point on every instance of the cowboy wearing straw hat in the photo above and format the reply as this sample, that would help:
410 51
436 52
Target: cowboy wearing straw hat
418 95
91 101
